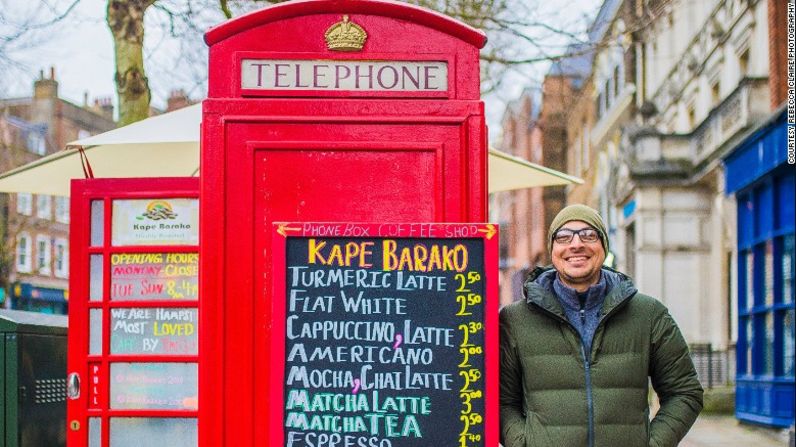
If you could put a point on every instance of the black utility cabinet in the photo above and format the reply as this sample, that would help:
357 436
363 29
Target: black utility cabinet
32 379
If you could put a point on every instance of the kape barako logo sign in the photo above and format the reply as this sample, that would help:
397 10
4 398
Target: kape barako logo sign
155 222
158 210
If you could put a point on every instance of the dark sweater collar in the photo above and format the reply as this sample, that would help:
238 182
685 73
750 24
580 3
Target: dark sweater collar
538 289
570 298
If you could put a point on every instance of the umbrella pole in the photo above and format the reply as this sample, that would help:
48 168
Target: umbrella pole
87 171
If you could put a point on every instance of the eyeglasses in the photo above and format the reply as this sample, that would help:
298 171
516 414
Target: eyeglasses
586 235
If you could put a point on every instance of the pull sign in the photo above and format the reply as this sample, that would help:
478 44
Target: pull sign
73 387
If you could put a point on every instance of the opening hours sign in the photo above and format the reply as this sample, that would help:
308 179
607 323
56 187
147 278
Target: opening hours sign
387 334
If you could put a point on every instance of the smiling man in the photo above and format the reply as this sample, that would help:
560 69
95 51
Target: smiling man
578 353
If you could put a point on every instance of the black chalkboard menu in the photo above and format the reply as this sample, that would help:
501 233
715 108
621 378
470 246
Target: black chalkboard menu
384 341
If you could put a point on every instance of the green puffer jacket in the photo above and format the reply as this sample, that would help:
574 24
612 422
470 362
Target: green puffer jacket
553 394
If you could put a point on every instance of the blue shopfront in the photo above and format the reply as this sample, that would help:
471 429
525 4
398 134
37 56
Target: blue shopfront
763 183
25 296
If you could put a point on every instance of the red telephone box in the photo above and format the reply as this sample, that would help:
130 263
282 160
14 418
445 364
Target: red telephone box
318 111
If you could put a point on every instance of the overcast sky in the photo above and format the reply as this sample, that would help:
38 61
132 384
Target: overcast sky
81 51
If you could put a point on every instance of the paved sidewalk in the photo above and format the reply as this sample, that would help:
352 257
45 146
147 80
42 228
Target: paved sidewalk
726 431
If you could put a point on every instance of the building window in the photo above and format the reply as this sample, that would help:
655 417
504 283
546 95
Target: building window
43 255
62 209
504 249
586 147
715 93
787 315
36 142
24 203
598 106
630 249
743 63
764 189
23 253
691 116
766 280
61 258
43 208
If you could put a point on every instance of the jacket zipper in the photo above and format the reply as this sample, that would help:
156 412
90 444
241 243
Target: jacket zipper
589 399
587 372
587 369
587 358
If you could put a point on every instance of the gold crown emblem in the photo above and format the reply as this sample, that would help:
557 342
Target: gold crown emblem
345 36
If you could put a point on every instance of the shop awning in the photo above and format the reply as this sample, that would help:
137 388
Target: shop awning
167 145
508 172
25 290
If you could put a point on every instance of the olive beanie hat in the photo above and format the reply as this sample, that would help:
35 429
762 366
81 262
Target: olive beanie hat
582 213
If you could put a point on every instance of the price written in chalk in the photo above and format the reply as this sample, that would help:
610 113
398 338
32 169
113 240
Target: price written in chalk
470 328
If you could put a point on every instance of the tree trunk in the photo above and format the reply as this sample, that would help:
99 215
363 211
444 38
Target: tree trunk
126 21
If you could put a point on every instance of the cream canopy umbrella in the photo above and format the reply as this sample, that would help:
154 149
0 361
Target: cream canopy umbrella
508 172
167 145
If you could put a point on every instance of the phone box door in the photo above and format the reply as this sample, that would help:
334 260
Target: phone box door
133 359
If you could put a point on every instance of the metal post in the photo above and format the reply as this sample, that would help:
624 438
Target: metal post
710 366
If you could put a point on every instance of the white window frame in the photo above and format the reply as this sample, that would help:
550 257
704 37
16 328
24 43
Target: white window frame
61 266
44 209
23 253
586 151
25 203
62 209
43 255
36 142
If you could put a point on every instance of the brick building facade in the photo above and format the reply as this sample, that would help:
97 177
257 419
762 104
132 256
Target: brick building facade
534 129
670 88
34 254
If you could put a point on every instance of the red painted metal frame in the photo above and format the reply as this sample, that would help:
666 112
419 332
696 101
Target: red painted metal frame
277 311
234 246
396 31
439 142
391 9
78 358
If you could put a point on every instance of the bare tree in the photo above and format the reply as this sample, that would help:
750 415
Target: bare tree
125 19
25 26
521 33
181 21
